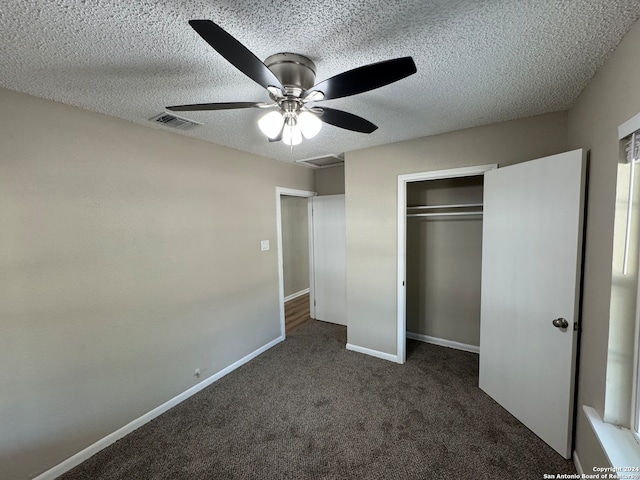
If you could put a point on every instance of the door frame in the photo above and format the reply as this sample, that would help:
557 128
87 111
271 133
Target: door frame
401 298
291 192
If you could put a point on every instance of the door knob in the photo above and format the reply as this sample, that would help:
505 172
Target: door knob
560 323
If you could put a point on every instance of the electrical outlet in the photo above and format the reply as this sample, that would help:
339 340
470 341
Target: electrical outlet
264 245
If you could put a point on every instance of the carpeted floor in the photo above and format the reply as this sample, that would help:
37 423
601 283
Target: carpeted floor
310 409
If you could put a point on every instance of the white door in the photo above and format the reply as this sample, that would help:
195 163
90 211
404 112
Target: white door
531 270
329 259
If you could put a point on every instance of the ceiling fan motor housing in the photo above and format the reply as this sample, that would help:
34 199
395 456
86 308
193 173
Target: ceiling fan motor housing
297 73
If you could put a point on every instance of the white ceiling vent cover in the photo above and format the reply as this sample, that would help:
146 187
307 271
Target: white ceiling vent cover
173 121
323 162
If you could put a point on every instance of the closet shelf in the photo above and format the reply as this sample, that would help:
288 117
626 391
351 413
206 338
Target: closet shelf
444 214
439 207
419 208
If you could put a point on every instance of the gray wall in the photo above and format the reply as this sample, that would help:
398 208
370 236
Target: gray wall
371 211
444 262
330 181
295 244
129 257
611 98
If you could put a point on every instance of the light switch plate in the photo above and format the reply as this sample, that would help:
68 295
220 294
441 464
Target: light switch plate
264 245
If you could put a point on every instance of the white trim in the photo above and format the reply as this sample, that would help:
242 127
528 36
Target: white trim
449 173
292 192
443 342
628 127
91 450
296 295
401 321
312 263
401 315
627 231
619 444
577 464
634 422
373 353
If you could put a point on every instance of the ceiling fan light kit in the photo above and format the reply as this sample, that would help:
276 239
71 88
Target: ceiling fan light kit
290 80
271 124
291 135
310 124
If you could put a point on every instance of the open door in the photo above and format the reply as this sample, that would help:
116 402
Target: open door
531 271
329 259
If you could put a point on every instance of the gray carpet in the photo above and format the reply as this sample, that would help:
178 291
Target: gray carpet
310 409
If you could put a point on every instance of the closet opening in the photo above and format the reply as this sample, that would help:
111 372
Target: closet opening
440 258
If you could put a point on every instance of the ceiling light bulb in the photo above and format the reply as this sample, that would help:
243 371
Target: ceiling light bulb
291 135
271 124
309 124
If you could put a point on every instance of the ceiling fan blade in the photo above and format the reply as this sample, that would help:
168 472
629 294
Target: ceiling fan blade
346 120
235 53
214 106
363 79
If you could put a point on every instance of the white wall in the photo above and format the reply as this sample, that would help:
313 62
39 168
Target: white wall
129 257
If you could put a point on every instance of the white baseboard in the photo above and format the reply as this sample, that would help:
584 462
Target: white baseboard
373 353
296 295
443 343
578 465
83 455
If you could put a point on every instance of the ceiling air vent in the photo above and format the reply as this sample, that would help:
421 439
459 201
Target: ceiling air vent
173 121
323 162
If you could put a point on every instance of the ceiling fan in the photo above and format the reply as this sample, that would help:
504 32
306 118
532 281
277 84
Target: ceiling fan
289 79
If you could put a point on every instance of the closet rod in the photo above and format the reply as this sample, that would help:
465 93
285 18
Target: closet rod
432 207
443 214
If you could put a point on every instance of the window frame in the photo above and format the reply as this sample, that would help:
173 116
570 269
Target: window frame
629 133
635 389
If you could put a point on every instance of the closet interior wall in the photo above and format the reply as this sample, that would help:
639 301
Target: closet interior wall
444 260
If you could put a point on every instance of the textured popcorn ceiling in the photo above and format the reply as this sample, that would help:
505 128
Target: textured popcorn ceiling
478 62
